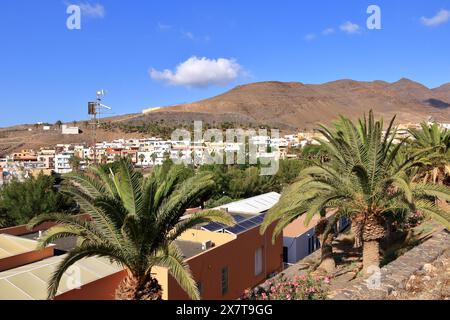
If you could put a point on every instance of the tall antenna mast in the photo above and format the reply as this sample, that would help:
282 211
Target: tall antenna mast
94 109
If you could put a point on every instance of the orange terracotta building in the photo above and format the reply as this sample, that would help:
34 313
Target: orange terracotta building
224 262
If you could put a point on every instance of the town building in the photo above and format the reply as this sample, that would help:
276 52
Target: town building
65 129
62 162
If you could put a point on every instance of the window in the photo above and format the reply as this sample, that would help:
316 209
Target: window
285 254
224 280
313 244
258 261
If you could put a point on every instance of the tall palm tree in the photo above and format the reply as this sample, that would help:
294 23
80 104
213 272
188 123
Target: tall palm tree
436 161
141 159
135 222
363 180
154 155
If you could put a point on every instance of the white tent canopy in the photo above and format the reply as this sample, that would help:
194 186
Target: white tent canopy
254 205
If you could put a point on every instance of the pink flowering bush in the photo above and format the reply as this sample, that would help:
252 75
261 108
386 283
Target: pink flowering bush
305 287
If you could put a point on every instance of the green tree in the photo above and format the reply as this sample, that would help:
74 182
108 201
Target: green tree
141 158
154 155
363 180
58 123
434 143
135 223
75 163
5 221
213 203
36 195
287 173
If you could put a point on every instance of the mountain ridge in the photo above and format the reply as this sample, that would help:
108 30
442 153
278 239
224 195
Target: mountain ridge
288 106
298 104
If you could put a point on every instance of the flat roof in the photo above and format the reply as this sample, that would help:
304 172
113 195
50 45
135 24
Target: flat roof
189 249
29 282
63 244
253 205
11 246
297 227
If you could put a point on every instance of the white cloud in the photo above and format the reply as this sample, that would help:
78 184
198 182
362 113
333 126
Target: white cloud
94 10
328 31
310 37
349 27
200 72
441 17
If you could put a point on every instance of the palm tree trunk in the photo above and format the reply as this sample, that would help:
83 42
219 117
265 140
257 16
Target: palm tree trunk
325 234
327 262
371 256
356 230
373 231
133 288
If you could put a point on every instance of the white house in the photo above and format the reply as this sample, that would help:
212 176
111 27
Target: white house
69 130
62 162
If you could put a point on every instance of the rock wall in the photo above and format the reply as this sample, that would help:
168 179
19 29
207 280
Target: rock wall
384 283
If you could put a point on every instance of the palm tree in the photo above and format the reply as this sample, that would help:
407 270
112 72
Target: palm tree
141 159
363 180
75 162
154 155
135 222
436 161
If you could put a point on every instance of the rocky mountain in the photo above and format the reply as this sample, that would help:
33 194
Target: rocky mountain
286 105
298 105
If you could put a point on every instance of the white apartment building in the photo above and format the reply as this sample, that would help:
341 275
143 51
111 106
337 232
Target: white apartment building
47 157
62 162
260 140
279 142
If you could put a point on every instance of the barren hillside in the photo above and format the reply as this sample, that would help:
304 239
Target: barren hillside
285 105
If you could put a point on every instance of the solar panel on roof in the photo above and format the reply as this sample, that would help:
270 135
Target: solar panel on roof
247 224
235 230
257 220
213 226
238 218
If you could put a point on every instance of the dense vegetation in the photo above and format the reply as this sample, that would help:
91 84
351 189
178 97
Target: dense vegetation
369 177
135 223
164 129
22 201
238 182
359 171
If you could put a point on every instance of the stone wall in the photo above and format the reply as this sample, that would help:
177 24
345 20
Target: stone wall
396 274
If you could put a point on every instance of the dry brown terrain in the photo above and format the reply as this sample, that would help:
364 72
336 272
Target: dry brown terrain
301 105
288 106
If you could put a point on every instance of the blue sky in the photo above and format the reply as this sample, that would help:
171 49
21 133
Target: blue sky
48 72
